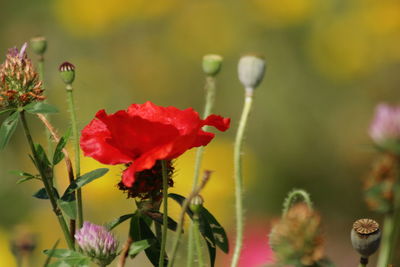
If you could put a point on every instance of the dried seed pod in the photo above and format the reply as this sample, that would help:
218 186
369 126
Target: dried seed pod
365 237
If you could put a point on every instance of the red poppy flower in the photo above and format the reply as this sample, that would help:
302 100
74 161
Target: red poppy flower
145 133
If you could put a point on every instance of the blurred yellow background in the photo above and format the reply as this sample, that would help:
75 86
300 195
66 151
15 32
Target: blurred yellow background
329 63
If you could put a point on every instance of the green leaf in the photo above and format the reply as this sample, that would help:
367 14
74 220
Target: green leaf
157 216
220 237
67 258
205 228
140 230
25 176
20 181
85 179
7 129
40 107
50 255
139 246
68 207
58 153
42 194
43 161
114 223
7 110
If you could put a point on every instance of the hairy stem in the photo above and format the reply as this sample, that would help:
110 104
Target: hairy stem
197 239
125 252
68 164
181 221
210 88
71 105
238 176
47 184
165 213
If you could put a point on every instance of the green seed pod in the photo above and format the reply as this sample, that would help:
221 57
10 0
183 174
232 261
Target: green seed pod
38 45
212 64
67 72
365 237
251 71
196 203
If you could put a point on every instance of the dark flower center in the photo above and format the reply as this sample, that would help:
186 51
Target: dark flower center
149 183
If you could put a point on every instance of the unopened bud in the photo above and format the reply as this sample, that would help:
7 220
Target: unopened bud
196 203
38 45
365 237
251 71
212 64
67 72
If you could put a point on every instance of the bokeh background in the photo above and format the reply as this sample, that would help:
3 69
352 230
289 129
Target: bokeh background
329 63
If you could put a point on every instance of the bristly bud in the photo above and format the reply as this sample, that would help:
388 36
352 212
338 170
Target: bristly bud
97 243
296 239
212 64
251 71
38 45
67 72
196 203
365 237
19 82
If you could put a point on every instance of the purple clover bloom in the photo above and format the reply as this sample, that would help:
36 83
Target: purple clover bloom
385 126
97 243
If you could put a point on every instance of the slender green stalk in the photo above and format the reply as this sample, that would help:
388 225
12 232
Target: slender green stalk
386 241
239 176
185 206
293 197
210 99
196 228
210 88
165 215
190 249
47 184
362 265
75 133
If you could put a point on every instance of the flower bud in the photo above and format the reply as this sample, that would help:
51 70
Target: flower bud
97 243
19 82
365 237
251 71
67 72
212 64
196 203
38 45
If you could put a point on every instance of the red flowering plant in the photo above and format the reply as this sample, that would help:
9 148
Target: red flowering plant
145 138
141 136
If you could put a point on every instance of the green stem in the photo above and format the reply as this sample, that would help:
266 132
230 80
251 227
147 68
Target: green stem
47 184
238 176
210 88
295 196
190 251
386 241
196 228
165 215
75 133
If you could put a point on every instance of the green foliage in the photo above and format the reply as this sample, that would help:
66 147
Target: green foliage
42 193
7 129
139 246
58 153
140 230
114 223
67 258
40 107
211 230
85 179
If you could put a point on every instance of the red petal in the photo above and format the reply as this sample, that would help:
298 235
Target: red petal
94 143
218 122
